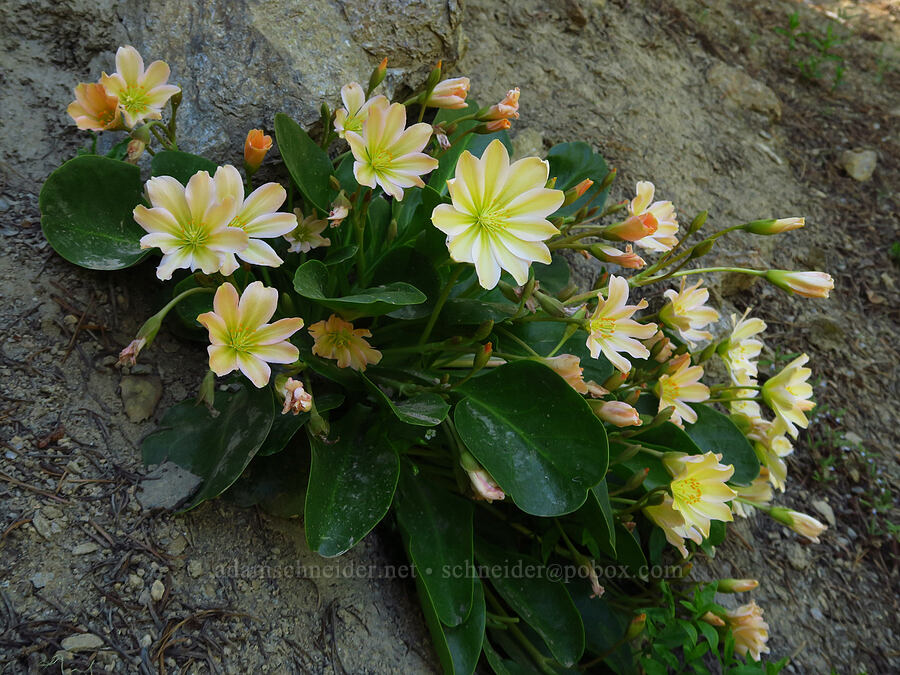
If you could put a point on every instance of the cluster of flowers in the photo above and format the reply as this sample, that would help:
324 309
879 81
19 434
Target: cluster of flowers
498 219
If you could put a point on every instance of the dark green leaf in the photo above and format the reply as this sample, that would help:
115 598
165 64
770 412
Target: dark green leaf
543 336
597 516
715 432
438 528
604 627
571 163
277 484
284 426
459 647
336 256
629 552
216 448
306 161
555 276
86 212
468 311
180 165
424 410
351 484
535 435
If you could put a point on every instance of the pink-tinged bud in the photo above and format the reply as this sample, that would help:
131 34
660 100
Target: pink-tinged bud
128 356
807 284
800 523
449 93
377 76
491 127
618 413
574 193
660 347
296 398
255 148
507 109
636 627
340 209
597 590
713 620
136 148
737 585
627 258
771 226
614 381
632 228
484 486
441 137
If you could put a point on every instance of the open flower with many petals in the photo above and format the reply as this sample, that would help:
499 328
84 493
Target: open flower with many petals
190 225
671 522
337 339
740 350
612 331
388 155
241 338
355 110
771 447
308 233
449 93
663 213
788 394
699 492
94 108
141 93
257 215
749 629
679 387
687 312
498 216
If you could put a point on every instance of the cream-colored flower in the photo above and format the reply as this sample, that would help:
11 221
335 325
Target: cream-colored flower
337 339
618 413
483 484
771 447
450 93
355 110
241 338
699 492
679 387
498 216
296 398
257 215
141 93
663 212
807 284
800 523
759 492
687 312
94 108
190 225
749 629
387 155
613 331
671 522
568 367
661 347
740 351
788 394
308 233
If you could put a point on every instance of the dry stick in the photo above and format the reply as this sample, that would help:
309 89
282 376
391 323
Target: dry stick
18 483
77 330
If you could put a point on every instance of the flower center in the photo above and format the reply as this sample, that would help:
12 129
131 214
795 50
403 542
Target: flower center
603 327
687 491
134 99
194 234
381 160
240 338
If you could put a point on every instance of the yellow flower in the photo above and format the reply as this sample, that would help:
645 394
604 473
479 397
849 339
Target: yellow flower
671 522
141 93
788 394
759 492
190 225
257 215
699 492
355 110
663 212
807 284
241 338
308 233
772 446
680 387
256 146
337 339
740 350
94 108
387 155
498 216
450 93
749 629
612 330
687 313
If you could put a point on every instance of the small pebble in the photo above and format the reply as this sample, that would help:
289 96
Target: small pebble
157 590
85 549
82 642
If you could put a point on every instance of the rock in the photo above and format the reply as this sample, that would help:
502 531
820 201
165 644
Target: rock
859 164
195 568
140 396
146 640
135 581
43 526
528 143
51 511
82 642
166 487
825 509
798 556
41 579
743 91
157 590
85 549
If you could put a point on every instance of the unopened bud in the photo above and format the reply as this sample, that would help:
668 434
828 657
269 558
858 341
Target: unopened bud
482 357
507 109
551 305
550 184
433 77
392 231
627 258
334 183
702 248
698 222
483 484
573 194
636 480
567 292
617 413
484 329
712 620
632 228
607 180
631 450
707 353
509 292
614 381
636 627
256 146
737 585
207 392
491 127
800 523
807 284
772 226
135 150
377 76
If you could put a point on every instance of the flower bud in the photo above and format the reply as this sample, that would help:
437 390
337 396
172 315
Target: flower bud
772 226
449 93
636 627
632 228
702 249
434 76
660 347
482 357
737 585
712 620
574 193
636 480
484 486
255 148
491 127
340 209
617 413
607 180
807 284
800 523
551 305
627 258
135 150
377 76
507 109
674 462
207 392
128 356
296 398
484 329
614 381
698 222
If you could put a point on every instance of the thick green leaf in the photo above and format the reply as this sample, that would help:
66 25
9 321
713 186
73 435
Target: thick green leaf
630 553
596 515
715 432
470 312
406 264
275 484
555 276
307 162
457 647
656 476
571 163
311 280
423 410
336 256
604 627
216 448
180 165
502 666
543 336
86 212
438 528
285 426
543 604
535 435
351 483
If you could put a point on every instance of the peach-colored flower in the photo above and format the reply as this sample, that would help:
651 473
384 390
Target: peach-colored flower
687 312
627 258
737 585
241 338
679 387
308 233
337 339
483 484
633 228
296 398
613 331
507 109
94 108
496 125
663 212
141 93
355 110
619 414
750 631
450 93
255 148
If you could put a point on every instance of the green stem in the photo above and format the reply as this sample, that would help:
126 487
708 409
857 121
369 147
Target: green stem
524 345
703 270
539 659
439 305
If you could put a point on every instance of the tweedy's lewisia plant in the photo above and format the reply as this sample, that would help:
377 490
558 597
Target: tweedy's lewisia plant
453 376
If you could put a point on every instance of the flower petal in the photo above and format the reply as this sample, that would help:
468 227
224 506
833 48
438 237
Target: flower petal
222 359
450 221
279 352
167 193
200 194
524 175
162 240
229 184
257 305
129 64
256 370
263 200
271 225
278 331
157 220
259 252
215 324
225 304
157 74
170 262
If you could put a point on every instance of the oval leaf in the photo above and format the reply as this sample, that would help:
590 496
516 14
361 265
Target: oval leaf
351 483
535 435
86 212
715 432
180 165
571 163
459 647
423 410
307 162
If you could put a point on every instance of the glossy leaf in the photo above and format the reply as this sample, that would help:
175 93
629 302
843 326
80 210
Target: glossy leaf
307 163
438 528
311 280
180 165
715 432
277 484
604 627
571 163
597 516
630 553
216 448
424 410
470 312
543 604
285 426
87 209
458 647
351 484
535 435
543 336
